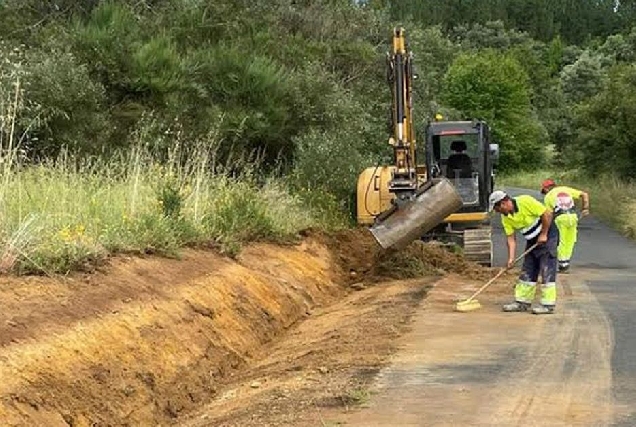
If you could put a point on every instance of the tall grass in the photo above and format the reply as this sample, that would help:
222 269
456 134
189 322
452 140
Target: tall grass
68 213
612 200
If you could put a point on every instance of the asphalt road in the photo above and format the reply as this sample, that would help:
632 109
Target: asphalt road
576 367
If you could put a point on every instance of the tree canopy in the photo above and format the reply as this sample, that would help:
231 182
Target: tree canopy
302 84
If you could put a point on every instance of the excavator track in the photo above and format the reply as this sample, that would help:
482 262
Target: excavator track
478 245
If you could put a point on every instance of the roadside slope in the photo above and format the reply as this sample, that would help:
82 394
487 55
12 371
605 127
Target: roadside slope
147 340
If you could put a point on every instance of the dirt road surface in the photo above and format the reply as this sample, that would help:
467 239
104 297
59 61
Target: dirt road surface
488 368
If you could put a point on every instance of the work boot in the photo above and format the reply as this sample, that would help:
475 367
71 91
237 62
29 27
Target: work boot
516 306
543 309
564 267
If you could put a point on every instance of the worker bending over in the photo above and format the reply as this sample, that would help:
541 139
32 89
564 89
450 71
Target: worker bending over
528 216
560 199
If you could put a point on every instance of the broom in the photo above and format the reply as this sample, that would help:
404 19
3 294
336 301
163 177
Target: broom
471 303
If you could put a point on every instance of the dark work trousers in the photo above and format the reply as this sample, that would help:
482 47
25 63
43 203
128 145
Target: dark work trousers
541 261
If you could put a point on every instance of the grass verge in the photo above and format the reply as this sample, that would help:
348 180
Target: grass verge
69 213
66 215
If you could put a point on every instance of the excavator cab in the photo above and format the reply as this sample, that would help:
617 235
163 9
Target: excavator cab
462 152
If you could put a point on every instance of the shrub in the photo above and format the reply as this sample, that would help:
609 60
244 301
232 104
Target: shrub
494 87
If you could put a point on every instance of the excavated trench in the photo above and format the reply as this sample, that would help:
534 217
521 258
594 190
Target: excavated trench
146 340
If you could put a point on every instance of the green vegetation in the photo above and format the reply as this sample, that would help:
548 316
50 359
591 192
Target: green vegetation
495 87
63 215
252 119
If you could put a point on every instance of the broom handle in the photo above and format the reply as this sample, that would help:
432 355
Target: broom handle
502 271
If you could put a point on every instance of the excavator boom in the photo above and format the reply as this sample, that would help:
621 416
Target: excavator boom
404 182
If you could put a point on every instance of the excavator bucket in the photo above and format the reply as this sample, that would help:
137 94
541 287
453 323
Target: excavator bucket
409 221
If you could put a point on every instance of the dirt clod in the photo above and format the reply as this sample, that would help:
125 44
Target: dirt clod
357 286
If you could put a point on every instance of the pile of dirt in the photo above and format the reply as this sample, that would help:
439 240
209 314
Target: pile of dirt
363 260
421 258
355 251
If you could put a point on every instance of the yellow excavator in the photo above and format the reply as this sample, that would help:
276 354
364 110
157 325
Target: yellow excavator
443 198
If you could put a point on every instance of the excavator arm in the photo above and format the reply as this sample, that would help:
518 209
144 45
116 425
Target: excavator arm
415 209
400 71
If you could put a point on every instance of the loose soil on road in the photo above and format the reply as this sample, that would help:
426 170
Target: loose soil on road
268 338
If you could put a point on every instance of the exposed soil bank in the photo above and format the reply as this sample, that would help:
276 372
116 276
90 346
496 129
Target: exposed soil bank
147 340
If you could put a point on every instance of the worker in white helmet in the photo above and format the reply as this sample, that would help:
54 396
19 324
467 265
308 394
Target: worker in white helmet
534 221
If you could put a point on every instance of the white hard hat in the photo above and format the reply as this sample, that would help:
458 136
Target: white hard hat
496 197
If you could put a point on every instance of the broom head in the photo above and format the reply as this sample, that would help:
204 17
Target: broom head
467 305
